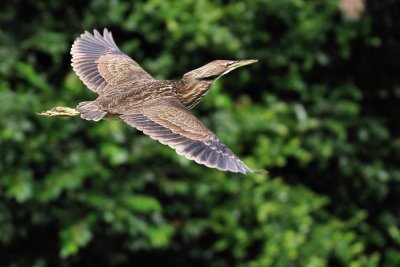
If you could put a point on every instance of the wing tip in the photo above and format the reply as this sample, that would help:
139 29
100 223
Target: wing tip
86 50
211 153
95 41
214 159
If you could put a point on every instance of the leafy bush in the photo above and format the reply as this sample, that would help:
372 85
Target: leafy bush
314 111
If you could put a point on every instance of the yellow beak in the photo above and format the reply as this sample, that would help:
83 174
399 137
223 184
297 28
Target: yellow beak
241 63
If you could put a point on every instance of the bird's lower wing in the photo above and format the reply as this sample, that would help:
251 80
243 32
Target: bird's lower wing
169 122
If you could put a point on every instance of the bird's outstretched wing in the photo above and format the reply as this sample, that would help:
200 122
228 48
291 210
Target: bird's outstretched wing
100 64
169 122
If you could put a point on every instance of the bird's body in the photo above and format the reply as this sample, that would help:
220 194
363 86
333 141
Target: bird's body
132 96
159 108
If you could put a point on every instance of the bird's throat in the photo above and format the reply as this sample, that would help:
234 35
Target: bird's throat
191 91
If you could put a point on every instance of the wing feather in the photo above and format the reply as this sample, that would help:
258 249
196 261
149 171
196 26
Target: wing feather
100 64
188 136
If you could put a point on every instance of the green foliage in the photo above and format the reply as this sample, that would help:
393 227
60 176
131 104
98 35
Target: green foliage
315 111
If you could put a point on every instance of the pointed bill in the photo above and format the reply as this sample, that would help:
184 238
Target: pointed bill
241 63
237 64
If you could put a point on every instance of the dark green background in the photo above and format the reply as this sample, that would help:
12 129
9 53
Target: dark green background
319 111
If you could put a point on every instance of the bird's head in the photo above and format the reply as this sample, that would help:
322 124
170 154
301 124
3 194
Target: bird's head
215 69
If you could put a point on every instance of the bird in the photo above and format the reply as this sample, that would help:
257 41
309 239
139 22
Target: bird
158 108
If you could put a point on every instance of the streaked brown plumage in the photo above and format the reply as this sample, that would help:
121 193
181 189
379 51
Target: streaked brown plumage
159 109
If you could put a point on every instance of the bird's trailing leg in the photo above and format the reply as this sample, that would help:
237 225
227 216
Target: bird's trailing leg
87 110
60 111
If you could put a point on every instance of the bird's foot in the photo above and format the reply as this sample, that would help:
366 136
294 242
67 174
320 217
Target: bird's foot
59 111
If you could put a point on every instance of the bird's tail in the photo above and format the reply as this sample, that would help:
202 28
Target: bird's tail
90 111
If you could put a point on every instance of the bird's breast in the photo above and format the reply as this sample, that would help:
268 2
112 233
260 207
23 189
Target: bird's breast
191 92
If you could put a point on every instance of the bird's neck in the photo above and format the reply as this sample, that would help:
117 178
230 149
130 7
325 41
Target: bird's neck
190 91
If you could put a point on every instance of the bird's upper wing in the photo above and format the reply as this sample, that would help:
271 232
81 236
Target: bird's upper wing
100 64
169 122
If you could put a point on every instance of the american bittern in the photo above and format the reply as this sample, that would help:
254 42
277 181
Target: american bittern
158 108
